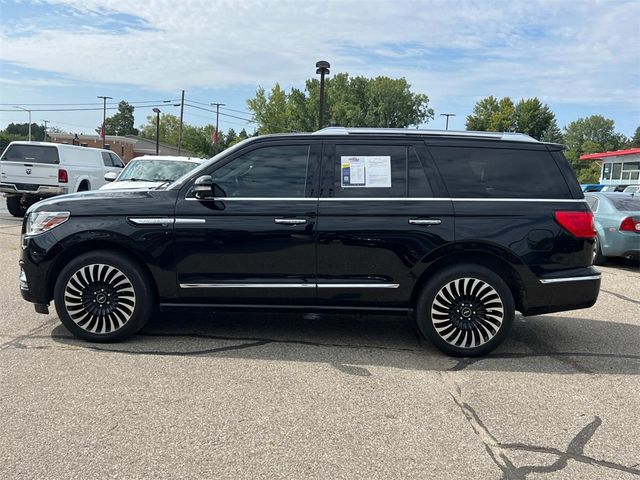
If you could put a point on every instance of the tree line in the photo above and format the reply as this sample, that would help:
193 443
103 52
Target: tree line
369 102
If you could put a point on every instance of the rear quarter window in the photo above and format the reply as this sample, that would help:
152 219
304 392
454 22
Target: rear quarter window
480 172
31 154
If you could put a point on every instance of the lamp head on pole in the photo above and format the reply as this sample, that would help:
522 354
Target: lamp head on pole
322 67
156 110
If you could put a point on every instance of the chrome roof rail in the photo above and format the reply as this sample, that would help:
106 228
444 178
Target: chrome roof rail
515 137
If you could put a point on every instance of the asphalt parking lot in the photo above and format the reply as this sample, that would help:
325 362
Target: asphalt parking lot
236 396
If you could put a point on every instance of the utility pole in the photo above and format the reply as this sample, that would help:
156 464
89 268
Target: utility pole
215 135
447 115
45 130
157 112
22 108
181 115
104 118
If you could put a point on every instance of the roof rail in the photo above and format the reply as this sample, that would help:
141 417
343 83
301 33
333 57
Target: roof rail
515 137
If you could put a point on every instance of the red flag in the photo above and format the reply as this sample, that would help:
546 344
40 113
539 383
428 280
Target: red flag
215 136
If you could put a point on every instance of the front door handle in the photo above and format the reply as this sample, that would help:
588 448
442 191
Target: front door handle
425 221
290 221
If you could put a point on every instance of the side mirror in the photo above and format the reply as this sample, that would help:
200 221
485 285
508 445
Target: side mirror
203 187
110 176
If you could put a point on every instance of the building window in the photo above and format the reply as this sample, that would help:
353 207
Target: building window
606 171
617 168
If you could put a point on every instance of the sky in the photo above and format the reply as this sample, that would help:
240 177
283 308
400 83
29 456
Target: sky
581 57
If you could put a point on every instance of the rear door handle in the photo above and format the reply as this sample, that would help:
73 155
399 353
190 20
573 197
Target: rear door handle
290 221
425 221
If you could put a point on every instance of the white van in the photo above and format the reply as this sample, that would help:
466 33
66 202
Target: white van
31 171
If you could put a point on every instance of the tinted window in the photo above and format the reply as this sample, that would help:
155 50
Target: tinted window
418 182
115 159
370 171
626 204
106 159
278 171
499 173
31 154
617 168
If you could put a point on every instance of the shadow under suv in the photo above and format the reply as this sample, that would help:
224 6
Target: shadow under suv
457 229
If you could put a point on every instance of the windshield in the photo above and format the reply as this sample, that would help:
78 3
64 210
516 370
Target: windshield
627 204
155 170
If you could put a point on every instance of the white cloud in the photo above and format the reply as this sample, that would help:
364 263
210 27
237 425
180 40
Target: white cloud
571 52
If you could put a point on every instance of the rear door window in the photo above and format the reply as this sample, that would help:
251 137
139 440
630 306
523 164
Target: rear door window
115 159
31 154
480 172
106 159
370 171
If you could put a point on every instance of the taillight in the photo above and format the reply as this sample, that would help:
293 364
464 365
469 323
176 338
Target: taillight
630 225
580 224
63 176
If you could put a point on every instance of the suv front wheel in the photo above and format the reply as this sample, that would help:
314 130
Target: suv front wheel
465 310
103 296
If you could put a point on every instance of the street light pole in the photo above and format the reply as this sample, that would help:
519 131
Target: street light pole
104 118
322 68
22 108
157 110
45 130
447 115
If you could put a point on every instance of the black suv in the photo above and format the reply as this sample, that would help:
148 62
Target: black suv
457 229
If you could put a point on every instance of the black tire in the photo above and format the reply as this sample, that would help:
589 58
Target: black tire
598 258
83 187
16 206
465 310
103 296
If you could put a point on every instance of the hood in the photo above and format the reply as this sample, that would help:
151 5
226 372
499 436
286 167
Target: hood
111 202
128 185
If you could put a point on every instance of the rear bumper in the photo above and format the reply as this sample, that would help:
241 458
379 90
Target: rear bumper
40 191
562 292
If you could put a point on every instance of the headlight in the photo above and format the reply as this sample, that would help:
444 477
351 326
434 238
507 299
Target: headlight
40 222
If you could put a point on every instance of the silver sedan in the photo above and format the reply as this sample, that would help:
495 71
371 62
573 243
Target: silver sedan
617 222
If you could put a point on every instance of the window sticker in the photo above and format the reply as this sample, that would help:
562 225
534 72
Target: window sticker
365 172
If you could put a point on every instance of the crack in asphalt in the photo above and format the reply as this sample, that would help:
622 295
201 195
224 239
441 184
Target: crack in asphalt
30 333
620 296
498 452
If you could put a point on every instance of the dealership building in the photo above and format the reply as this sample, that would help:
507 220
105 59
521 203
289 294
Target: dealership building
620 167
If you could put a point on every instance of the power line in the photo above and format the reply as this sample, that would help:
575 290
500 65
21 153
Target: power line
85 104
91 109
221 107
250 120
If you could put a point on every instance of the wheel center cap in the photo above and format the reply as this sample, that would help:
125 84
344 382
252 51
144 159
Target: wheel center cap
465 312
101 298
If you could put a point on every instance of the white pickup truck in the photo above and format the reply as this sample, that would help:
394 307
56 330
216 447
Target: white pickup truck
31 171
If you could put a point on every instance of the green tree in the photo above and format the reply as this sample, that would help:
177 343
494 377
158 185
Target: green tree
121 122
22 130
529 116
635 140
590 135
349 102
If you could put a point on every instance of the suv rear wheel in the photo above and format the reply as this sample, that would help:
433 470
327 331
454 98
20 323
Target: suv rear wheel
15 206
103 297
465 310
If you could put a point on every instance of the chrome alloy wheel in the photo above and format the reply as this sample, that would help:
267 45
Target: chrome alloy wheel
467 312
99 298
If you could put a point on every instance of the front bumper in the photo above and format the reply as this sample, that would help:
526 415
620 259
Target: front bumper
563 291
40 191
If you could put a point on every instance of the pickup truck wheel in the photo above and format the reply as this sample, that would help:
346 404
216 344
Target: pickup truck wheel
15 206
465 310
83 187
103 297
